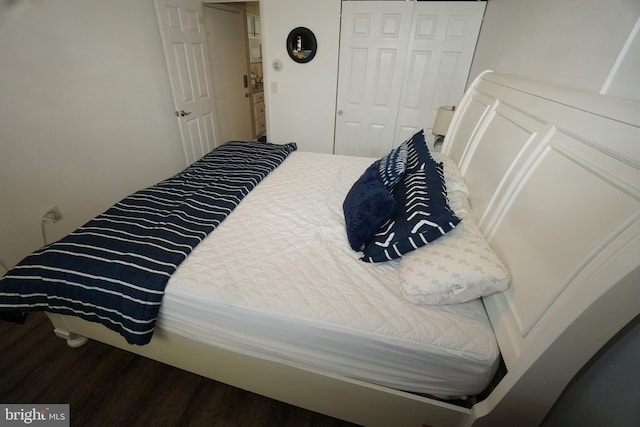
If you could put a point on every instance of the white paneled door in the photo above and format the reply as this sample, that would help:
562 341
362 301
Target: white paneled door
373 46
400 61
185 45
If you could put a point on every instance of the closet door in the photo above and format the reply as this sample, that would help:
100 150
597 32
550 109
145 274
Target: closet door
430 45
373 48
443 40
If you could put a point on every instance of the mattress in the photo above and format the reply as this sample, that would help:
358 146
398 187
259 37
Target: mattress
277 280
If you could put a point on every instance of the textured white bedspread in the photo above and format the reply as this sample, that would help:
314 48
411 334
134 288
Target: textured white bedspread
278 280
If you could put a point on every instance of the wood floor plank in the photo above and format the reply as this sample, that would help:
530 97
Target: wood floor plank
106 386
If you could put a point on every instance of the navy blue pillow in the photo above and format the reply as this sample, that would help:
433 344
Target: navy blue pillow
367 207
423 215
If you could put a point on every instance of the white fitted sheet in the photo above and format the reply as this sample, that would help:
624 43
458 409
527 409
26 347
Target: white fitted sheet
277 280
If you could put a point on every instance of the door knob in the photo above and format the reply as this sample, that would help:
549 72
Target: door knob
182 113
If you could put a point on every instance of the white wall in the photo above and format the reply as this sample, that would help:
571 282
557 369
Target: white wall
573 43
301 98
86 115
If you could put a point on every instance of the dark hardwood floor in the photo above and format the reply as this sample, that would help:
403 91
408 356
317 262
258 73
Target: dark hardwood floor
106 386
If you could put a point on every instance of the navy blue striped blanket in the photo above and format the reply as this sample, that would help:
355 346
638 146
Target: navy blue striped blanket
114 269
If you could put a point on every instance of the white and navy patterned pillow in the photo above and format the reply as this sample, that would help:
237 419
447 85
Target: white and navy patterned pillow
422 214
417 151
393 165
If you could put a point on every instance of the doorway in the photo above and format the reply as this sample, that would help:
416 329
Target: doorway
233 38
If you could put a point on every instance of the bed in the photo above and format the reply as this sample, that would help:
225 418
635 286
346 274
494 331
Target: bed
276 301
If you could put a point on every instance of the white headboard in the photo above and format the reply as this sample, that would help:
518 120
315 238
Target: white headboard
554 176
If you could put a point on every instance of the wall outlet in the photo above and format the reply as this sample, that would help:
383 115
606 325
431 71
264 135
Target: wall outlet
52 215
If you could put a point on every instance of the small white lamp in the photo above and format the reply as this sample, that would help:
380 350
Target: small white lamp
442 122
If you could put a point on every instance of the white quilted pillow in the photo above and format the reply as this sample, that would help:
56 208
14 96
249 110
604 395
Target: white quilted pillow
458 267
453 180
459 203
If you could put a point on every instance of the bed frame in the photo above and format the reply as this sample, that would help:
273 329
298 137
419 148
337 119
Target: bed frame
555 187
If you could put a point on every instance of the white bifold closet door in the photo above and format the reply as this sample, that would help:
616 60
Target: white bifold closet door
399 62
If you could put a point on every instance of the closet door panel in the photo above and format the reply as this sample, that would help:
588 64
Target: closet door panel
372 58
446 33
400 61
